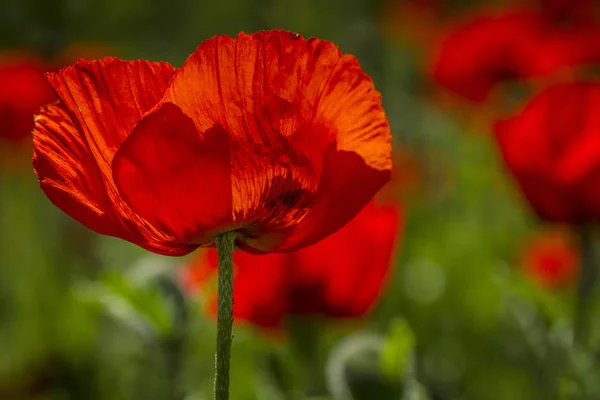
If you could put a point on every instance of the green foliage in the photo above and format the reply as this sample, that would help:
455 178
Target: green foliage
398 350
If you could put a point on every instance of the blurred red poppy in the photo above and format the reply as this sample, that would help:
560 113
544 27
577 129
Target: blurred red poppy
551 258
339 277
552 147
475 56
279 138
23 89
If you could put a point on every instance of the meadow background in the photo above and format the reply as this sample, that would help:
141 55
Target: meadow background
462 314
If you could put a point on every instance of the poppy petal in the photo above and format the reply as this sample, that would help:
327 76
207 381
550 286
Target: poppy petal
339 199
381 231
342 275
287 100
107 97
177 179
68 174
275 83
258 281
516 137
264 84
351 106
551 147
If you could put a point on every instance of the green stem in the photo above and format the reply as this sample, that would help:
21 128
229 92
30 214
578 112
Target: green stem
585 289
225 243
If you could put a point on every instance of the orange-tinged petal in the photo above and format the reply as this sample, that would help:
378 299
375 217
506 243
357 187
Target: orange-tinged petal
104 100
275 82
176 179
68 173
252 86
107 98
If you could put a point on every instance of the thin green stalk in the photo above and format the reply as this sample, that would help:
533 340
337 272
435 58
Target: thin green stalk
225 243
588 275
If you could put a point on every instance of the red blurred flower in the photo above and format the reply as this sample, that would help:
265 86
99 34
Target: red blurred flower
491 48
552 147
279 138
551 258
23 89
339 277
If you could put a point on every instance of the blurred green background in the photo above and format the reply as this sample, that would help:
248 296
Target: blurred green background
84 316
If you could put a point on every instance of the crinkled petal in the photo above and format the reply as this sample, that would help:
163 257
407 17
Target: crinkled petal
108 97
68 173
104 100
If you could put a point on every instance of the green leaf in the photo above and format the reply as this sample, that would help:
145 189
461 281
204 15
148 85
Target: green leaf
397 349
140 307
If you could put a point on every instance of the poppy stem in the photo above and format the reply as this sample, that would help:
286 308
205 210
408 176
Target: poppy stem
585 288
225 243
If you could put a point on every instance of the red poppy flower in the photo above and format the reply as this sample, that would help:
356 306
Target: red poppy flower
552 147
339 277
23 89
485 51
551 258
279 138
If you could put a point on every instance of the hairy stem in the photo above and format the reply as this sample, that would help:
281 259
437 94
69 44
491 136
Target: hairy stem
225 243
